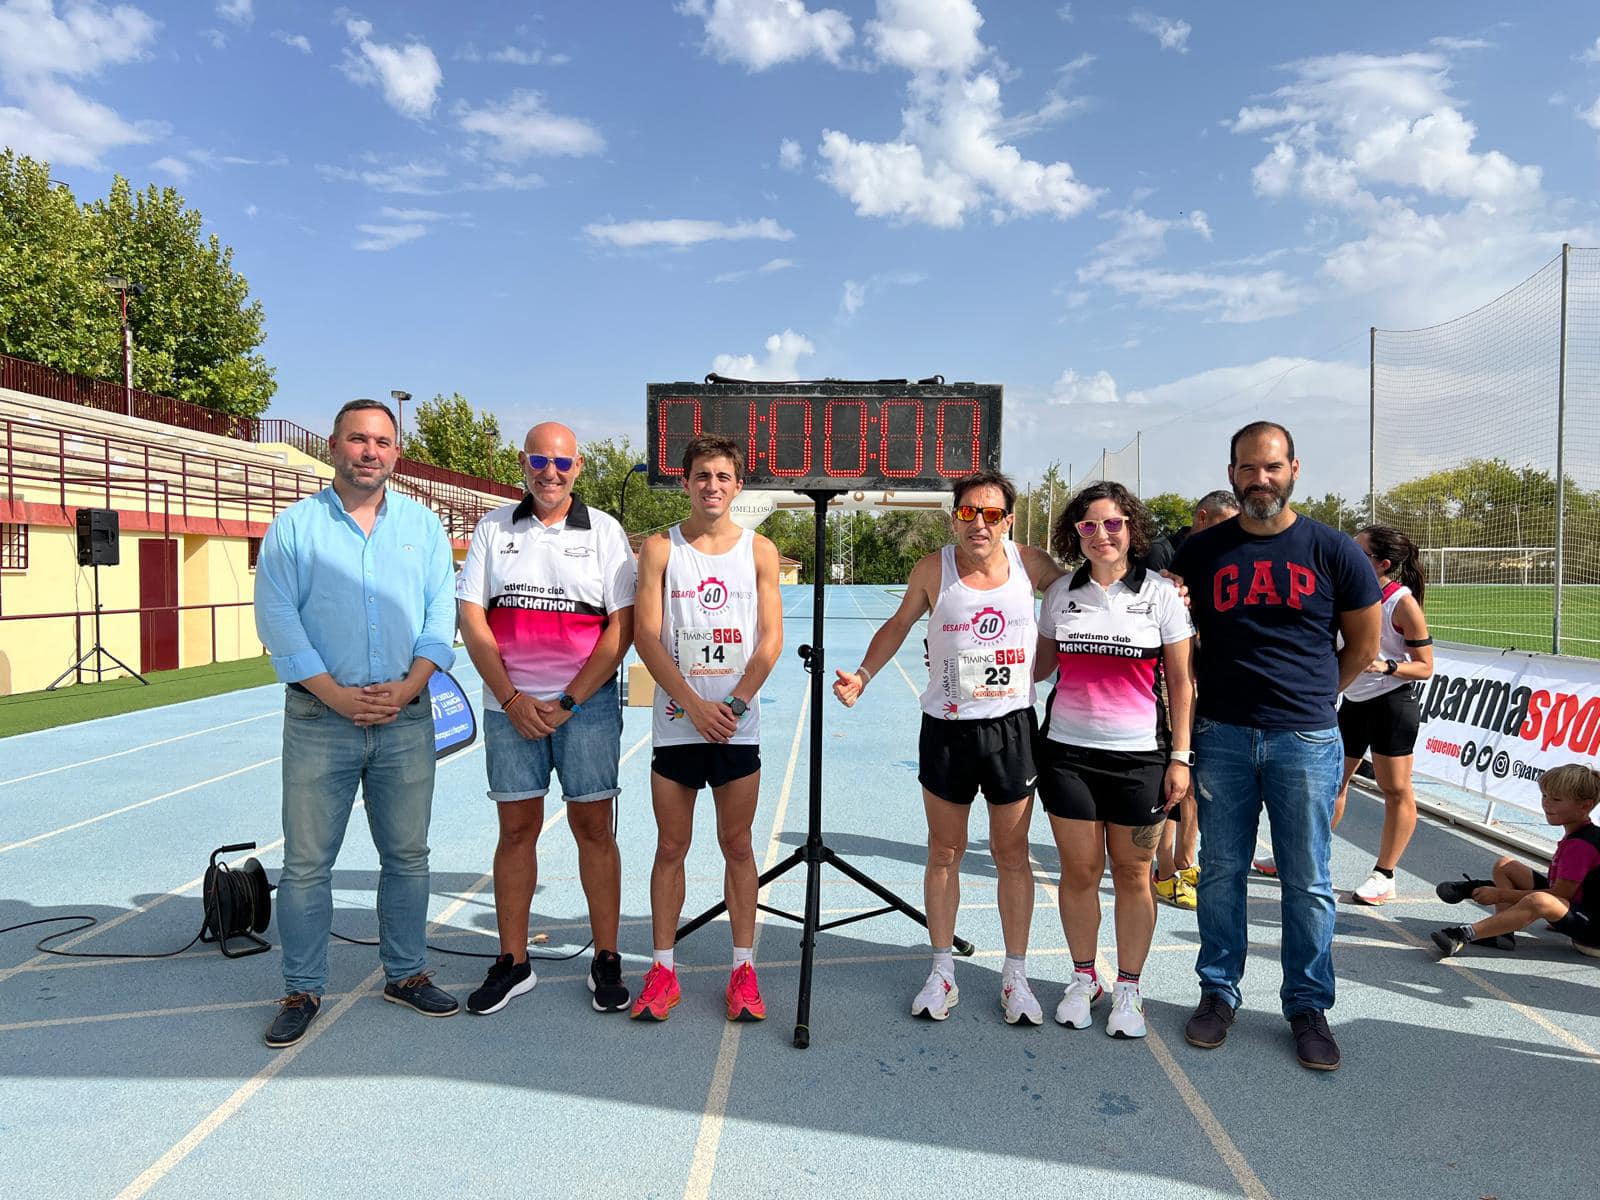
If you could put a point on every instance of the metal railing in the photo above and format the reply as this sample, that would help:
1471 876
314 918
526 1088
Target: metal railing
36 379
79 616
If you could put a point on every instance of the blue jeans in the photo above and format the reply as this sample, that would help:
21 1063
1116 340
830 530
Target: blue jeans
325 759
584 753
1295 774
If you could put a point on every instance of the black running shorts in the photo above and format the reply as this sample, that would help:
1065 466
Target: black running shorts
705 764
1386 724
957 758
1579 926
1119 787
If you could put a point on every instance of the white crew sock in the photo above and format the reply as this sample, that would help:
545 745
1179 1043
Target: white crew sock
743 954
664 957
944 961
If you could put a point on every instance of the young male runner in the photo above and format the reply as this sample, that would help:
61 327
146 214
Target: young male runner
709 629
978 724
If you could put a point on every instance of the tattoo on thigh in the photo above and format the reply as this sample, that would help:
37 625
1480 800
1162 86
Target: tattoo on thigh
1146 836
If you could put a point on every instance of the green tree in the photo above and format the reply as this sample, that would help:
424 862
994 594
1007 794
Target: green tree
1170 510
195 328
196 331
53 307
608 468
448 432
1332 509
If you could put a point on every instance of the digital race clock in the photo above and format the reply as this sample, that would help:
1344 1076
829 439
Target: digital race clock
830 435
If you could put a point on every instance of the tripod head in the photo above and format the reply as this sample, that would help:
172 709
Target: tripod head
811 657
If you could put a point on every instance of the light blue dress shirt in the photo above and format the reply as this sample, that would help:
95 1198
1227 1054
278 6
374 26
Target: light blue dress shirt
332 598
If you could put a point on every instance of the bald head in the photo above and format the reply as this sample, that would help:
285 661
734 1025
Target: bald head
551 437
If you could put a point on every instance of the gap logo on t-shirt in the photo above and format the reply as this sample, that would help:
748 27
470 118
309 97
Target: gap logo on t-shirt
1267 610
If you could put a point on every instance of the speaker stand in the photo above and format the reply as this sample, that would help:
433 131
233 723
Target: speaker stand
97 651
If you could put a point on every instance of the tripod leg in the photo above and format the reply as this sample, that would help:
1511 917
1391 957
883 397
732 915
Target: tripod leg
808 943
52 687
960 944
721 906
123 665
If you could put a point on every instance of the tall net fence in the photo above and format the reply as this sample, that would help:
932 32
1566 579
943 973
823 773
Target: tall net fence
1471 431
1122 466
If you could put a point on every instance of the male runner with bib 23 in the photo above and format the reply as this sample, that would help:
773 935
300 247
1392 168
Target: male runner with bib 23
978 724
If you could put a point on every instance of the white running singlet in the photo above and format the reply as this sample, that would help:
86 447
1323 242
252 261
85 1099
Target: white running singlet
710 626
980 644
1391 644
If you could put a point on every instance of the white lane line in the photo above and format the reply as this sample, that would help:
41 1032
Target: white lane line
135 749
704 1162
1533 1014
1238 1166
158 1170
137 804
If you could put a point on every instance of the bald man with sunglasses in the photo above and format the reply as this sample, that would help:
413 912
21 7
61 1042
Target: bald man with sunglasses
978 723
546 612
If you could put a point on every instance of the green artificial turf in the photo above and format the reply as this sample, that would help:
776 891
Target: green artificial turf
85 702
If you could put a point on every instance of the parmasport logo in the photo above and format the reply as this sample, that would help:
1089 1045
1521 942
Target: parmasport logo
713 594
988 624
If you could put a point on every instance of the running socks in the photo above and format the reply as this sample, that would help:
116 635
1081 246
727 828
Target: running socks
664 957
742 955
944 961
1385 872
1127 976
1086 968
1014 965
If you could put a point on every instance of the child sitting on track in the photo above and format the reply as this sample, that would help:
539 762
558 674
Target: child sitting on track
1568 897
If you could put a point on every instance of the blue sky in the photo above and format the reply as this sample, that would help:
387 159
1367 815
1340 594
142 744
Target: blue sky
1171 218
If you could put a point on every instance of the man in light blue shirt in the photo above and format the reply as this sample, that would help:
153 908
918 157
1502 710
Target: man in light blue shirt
355 602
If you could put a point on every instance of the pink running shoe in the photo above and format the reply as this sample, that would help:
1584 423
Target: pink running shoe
744 995
659 993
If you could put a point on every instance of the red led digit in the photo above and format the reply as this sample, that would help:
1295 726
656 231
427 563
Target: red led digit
777 440
671 464
859 434
972 420
892 444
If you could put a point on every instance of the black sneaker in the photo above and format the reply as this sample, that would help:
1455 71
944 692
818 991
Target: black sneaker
505 982
296 1012
1454 891
1313 1042
1208 1027
419 993
1500 941
605 981
1450 940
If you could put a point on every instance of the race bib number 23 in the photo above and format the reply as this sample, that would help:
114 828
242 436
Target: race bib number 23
1001 674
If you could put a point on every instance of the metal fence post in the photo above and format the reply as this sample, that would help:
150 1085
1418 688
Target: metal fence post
1561 479
1372 425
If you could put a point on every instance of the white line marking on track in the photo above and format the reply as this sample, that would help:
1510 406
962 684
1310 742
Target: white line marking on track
137 804
135 749
704 1162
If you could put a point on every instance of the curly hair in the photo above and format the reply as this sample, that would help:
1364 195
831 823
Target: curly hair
1064 541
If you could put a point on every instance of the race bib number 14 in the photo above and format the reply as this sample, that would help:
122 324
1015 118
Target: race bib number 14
1001 674
710 653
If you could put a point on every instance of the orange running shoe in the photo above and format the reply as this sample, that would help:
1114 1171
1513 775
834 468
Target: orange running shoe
744 995
659 993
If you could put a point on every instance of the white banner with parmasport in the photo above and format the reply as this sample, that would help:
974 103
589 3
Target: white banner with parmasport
1493 721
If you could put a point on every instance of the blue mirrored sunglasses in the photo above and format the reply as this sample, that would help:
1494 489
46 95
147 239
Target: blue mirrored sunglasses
540 461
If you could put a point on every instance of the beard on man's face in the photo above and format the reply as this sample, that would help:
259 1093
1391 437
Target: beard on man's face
1262 501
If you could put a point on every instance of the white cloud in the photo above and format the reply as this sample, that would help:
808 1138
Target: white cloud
411 215
408 75
86 36
1171 34
784 351
407 178
67 129
764 33
1590 116
1065 13
378 238
856 292
523 128
790 156
296 41
771 266
1592 54
215 38
1425 220
176 167
240 12
684 232
1457 44
1072 388
951 157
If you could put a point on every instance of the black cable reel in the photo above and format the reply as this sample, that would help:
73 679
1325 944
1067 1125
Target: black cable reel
237 903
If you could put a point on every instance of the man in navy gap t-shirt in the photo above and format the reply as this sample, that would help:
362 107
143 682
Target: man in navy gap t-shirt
1270 592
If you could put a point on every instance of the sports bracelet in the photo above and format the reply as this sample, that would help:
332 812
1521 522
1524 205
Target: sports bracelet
505 705
866 675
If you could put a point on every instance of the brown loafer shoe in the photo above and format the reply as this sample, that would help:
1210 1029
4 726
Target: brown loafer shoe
1208 1027
1313 1042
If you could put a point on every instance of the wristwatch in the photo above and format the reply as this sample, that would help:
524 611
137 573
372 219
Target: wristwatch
570 705
1186 757
738 706
1391 666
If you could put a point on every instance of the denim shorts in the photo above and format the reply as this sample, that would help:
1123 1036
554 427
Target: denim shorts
583 753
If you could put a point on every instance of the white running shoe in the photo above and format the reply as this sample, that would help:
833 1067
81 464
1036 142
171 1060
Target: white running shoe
1376 890
1082 991
937 997
1266 865
1127 1011
1017 1000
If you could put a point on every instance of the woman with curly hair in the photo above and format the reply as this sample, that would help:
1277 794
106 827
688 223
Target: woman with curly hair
1110 765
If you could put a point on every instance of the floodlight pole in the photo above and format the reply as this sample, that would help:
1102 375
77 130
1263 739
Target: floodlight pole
815 851
400 397
1561 476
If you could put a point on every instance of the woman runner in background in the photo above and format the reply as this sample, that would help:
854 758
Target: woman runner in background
1380 709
